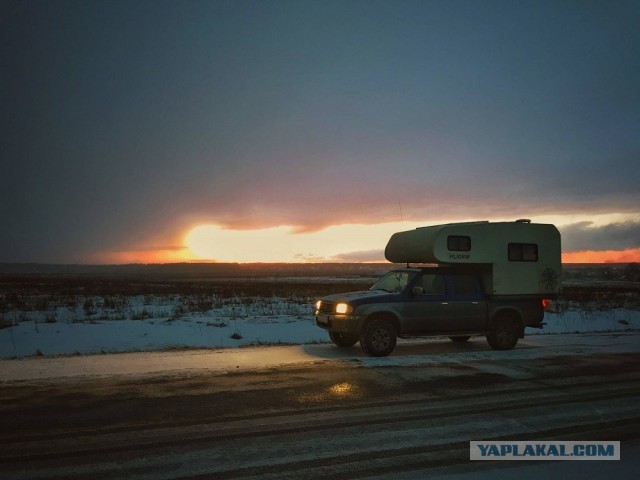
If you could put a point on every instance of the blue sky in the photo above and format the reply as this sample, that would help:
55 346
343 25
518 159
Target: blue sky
128 123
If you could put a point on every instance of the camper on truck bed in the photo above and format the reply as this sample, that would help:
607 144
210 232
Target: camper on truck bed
491 279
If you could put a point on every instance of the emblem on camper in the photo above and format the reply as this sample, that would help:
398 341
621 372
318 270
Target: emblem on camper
549 278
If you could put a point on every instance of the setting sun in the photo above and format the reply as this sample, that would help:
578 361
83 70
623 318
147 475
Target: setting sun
284 244
215 243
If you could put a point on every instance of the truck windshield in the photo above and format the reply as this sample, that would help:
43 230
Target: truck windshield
394 281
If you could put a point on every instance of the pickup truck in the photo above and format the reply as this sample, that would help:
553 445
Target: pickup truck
428 301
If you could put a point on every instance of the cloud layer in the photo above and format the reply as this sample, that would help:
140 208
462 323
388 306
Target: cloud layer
127 125
614 236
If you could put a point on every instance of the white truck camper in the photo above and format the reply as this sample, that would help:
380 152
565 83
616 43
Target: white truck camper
514 258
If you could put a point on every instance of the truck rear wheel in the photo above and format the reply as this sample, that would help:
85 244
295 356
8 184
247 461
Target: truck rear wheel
504 334
342 340
378 338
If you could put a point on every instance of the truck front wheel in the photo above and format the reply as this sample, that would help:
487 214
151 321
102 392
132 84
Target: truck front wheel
342 340
504 334
378 338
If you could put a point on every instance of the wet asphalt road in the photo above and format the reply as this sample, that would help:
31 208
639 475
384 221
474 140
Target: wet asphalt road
325 419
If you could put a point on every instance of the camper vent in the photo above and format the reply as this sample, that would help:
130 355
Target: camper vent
523 220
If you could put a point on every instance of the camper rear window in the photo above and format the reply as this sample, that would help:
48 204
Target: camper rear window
458 243
523 252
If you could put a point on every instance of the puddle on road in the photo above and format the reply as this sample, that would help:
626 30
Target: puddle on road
338 391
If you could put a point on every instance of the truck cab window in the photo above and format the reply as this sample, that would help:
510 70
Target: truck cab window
432 284
464 285
394 282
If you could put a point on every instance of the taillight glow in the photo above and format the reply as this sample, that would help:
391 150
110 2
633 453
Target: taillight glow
546 303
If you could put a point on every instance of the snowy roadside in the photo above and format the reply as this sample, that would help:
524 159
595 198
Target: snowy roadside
38 338
436 353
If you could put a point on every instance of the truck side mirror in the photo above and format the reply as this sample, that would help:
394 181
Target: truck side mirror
417 291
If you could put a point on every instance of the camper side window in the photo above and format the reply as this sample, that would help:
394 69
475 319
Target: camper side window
523 252
458 243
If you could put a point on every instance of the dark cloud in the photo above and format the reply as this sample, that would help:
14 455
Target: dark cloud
614 236
308 114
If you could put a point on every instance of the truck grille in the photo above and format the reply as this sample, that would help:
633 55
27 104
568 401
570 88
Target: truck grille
326 308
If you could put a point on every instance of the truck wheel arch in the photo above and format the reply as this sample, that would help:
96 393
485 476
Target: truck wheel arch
382 316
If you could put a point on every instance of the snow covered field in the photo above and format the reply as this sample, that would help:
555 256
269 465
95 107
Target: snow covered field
274 321
79 312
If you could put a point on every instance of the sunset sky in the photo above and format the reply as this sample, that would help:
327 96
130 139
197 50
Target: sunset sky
162 131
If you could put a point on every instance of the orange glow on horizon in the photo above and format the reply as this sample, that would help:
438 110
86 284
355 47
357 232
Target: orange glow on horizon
602 256
178 256
183 255
146 256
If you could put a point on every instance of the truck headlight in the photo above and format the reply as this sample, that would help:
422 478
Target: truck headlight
343 308
318 305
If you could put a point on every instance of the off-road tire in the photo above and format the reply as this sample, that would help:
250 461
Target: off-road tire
463 338
378 338
504 334
342 340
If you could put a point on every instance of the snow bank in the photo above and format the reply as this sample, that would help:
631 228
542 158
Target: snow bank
29 338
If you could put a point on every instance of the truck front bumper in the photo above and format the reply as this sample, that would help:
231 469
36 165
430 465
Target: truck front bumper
348 324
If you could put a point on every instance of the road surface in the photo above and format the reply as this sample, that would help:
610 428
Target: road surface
329 414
